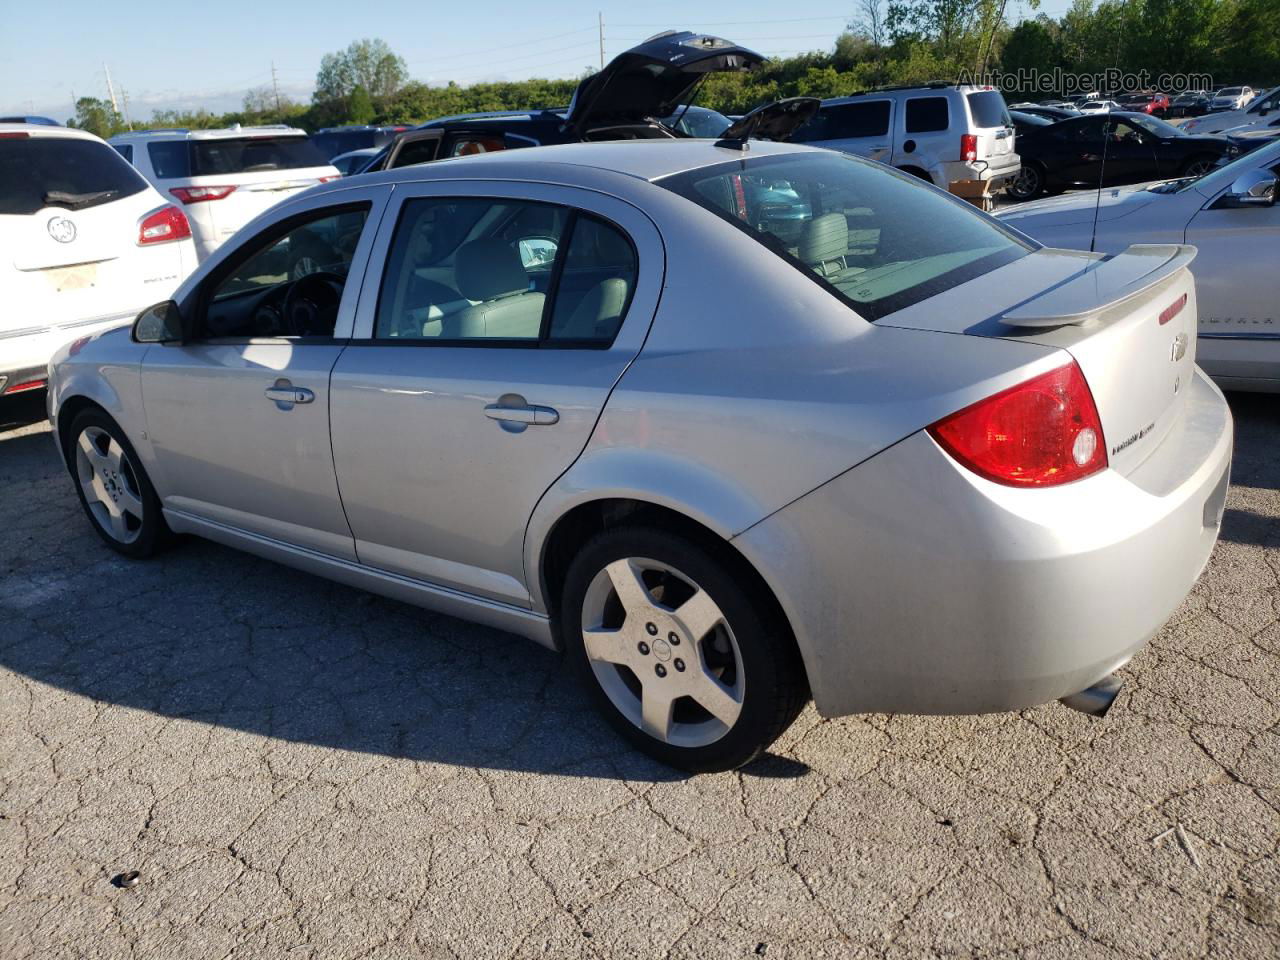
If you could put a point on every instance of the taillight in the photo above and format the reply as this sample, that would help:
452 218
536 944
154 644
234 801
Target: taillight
327 179
969 147
200 194
14 135
26 385
1172 310
1040 433
167 223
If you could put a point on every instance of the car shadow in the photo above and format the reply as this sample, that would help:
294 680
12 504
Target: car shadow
1256 415
214 636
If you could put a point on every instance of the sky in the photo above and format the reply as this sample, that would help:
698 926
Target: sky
164 55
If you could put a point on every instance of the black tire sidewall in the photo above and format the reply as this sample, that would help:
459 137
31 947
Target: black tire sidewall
1031 194
767 652
154 531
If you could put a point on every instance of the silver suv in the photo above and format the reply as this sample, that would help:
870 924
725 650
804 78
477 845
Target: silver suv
939 132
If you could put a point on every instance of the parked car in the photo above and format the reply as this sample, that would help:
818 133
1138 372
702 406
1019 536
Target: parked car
224 178
1190 103
1252 137
336 141
767 458
1155 104
1263 107
1136 147
1231 217
1050 111
85 243
940 132
1231 98
354 161
1025 123
640 94
1098 106
42 121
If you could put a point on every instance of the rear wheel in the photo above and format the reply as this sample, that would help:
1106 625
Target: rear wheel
680 653
1198 166
114 490
1028 183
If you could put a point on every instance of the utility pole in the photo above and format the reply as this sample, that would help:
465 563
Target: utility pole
124 100
111 91
275 86
600 17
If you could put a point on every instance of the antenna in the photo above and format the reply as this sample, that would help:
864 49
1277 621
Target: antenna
1106 141
600 19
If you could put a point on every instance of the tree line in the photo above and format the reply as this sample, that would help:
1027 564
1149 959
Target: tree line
887 42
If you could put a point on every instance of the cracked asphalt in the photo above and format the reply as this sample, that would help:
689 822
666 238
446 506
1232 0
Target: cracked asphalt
301 770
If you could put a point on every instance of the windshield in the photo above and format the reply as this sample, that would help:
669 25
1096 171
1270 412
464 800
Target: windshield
1154 125
1229 92
877 239
698 122
68 172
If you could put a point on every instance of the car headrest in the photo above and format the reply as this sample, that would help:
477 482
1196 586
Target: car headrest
489 268
824 238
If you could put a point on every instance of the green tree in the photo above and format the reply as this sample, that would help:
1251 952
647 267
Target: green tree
366 63
97 117
360 105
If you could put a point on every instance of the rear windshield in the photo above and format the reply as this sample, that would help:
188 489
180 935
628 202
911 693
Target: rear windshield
201 158
878 239
988 109
39 172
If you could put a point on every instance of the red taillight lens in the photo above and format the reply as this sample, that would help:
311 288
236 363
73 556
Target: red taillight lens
327 179
14 135
969 147
200 194
1040 433
167 223
1172 310
26 385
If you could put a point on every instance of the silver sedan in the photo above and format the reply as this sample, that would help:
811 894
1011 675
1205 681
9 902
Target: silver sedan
733 425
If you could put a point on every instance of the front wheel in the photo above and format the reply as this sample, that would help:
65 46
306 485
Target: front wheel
1198 166
114 490
682 656
1027 184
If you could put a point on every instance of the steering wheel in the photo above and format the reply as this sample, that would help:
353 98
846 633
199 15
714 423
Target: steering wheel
311 306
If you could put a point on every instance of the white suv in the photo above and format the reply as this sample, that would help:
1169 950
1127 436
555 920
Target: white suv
85 245
225 178
939 132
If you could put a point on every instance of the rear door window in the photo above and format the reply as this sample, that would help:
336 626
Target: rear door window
125 150
169 159
39 172
927 114
988 109
849 121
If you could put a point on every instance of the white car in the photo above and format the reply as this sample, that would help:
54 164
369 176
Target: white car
1261 109
1231 216
85 244
225 178
1231 98
1098 106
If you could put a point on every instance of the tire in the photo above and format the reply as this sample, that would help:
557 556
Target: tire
684 598
1198 166
1028 184
114 490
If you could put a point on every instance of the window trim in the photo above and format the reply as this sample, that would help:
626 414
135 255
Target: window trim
239 257
543 340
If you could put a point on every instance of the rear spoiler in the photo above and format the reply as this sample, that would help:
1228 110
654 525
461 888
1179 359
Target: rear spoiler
1103 285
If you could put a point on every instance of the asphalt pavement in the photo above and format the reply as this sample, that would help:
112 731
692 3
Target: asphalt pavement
297 770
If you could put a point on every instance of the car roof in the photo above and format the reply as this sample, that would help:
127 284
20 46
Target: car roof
223 133
635 159
44 130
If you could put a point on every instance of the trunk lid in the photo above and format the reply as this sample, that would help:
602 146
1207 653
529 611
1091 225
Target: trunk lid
991 123
1129 321
650 80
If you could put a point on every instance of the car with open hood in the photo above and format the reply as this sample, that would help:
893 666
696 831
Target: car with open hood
1230 215
731 423
641 94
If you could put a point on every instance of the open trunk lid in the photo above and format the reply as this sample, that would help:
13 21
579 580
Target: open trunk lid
652 79
1129 321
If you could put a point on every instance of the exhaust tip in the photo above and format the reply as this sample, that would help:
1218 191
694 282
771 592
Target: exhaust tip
1097 699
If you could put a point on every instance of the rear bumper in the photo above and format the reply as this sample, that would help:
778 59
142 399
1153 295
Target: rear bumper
996 170
915 586
25 351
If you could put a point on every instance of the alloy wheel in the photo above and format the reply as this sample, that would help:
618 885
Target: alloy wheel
1026 184
1198 168
110 484
663 652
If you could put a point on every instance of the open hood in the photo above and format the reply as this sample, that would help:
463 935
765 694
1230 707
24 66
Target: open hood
652 79
773 121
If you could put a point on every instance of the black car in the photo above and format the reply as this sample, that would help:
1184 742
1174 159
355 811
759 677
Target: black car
1193 103
628 100
1048 113
1137 147
1025 122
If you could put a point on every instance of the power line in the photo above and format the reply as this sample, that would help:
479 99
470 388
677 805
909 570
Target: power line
508 46
739 23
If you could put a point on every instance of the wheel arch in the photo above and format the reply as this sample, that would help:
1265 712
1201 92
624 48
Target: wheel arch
70 408
917 171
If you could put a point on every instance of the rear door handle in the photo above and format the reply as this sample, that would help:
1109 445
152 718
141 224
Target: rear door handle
528 414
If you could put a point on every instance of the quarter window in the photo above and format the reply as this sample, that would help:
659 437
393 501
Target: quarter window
169 159
927 114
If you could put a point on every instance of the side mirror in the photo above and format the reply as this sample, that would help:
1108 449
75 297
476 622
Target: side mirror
1256 188
160 323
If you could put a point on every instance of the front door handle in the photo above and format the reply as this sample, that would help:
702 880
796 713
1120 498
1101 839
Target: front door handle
286 394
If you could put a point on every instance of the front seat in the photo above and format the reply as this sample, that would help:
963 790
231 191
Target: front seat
824 244
489 271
